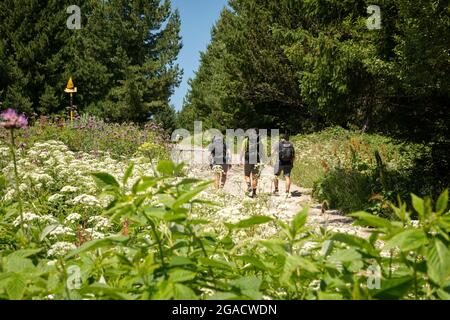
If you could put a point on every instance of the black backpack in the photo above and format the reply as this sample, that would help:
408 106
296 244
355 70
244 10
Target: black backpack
286 151
219 158
252 147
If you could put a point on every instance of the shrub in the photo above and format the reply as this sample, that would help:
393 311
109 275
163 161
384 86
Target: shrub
353 170
346 189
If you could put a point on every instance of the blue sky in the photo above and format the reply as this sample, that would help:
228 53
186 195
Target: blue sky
197 19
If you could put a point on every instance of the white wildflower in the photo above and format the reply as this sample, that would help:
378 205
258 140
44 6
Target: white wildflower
95 234
47 219
86 199
59 249
55 197
73 217
27 217
69 189
61 230
99 222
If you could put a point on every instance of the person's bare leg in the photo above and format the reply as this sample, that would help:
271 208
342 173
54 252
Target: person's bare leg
288 184
217 182
224 179
254 184
248 183
275 183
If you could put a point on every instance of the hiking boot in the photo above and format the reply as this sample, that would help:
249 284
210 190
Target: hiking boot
276 193
287 195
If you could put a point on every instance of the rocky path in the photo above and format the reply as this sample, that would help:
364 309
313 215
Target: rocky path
278 206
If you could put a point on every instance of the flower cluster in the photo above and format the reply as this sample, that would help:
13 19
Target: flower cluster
10 119
60 193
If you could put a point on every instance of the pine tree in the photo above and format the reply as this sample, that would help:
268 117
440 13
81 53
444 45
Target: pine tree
122 60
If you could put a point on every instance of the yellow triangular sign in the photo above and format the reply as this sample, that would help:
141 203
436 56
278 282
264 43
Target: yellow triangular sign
70 85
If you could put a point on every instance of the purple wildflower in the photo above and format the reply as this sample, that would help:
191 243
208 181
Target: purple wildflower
10 119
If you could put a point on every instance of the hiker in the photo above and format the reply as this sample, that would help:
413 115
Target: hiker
284 154
252 151
219 159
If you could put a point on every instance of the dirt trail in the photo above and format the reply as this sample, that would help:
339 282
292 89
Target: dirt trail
279 206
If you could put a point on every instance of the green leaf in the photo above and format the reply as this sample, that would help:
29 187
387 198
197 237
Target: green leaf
345 255
128 173
216 263
103 178
18 264
443 295
442 202
3 183
144 184
401 212
186 197
276 246
251 283
329 296
304 264
180 261
248 286
46 231
394 288
166 168
438 263
371 220
166 199
293 263
299 221
15 287
94 244
250 222
355 241
419 205
25 253
407 240
181 275
253 261
182 292
155 212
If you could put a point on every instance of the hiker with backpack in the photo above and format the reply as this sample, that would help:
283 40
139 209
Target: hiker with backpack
219 159
284 153
252 152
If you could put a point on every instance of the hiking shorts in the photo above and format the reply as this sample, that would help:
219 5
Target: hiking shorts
225 167
251 169
285 168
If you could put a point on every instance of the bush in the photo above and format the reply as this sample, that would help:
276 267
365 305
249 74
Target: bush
353 170
346 189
